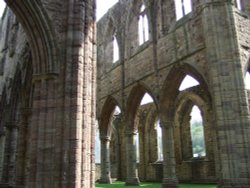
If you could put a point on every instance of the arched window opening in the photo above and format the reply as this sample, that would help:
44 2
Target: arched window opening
137 146
159 141
115 123
97 146
238 4
115 50
247 81
197 133
143 28
117 110
182 8
188 82
146 99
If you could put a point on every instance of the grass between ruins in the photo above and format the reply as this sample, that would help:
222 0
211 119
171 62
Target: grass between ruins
119 184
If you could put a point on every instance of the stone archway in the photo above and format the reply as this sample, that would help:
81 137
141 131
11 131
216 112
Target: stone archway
61 120
107 132
202 168
168 99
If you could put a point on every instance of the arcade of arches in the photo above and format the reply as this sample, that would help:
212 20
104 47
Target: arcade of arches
206 40
61 79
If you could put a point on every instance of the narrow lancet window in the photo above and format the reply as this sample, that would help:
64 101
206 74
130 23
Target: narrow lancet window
197 133
143 28
115 50
182 8
137 146
238 4
159 141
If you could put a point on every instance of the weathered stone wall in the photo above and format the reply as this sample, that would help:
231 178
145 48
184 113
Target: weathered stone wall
210 44
47 94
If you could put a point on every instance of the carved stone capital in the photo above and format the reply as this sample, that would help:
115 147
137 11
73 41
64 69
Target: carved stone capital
105 138
46 76
166 124
131 133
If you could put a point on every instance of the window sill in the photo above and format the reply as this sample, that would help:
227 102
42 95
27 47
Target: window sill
197 159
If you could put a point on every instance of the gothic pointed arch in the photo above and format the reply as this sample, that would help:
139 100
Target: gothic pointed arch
106 116
133 102
194 135
171 86
201 99
36 23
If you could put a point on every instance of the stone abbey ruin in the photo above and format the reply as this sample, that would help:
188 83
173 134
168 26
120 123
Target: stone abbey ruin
63 76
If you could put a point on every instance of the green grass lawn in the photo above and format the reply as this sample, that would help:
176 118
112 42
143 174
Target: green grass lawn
151 185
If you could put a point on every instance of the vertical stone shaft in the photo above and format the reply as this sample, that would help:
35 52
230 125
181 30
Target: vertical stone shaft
2 144
22 147
12 128
79 91
8 174
229 94
169 164
105 160
38 168
132 173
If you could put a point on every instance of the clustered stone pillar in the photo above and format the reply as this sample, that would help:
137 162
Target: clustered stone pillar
105 160
132 173
2 144
12 129
169 172
21 160
229 94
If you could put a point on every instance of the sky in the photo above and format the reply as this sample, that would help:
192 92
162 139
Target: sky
2 6
103 6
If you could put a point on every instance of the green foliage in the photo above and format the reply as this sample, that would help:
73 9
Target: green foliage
197 133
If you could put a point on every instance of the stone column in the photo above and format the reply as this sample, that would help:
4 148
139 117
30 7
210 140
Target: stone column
132 172
21 161
2 146
105 160
12 128
230 100
169 164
